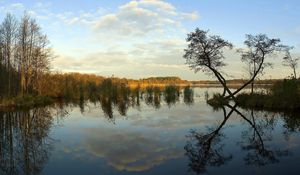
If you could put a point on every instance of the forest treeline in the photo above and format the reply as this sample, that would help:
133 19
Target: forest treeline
78 85
234 82
25 56
160 81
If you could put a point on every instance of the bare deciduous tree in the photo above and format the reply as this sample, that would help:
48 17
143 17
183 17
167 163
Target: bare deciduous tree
24 55
34 53
290 61
258 48
8 36
205 53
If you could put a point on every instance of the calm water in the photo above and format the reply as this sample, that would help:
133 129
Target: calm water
154 135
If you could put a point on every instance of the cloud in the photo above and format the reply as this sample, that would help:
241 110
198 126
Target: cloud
190 16
160 51
148 34
159 4
92 63
129 150
121 64
135 18
11 8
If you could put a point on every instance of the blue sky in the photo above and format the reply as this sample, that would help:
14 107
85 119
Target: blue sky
145 38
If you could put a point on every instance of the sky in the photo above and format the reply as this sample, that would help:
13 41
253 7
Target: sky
144 38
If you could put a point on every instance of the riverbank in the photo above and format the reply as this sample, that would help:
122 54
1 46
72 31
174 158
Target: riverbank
283 95
267 102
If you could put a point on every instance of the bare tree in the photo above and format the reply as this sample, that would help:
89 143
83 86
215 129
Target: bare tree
25 56
34 54
205 53
250 69
290 61
8 35
258 48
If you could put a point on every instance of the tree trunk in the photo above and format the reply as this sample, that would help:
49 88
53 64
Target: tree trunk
252 84
222 80
251 80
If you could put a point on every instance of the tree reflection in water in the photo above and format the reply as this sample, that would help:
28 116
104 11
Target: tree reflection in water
206 149
25 144
188 97
24 140
122 97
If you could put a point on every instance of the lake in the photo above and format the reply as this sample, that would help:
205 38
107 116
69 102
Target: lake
149 135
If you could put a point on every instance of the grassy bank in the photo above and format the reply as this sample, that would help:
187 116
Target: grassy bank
217 101
283 95
26 101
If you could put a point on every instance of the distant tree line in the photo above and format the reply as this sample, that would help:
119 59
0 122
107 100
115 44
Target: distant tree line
158 81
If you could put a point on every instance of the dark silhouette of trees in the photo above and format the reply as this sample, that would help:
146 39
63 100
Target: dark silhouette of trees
290 61
24 141
205 53
206 149
258 48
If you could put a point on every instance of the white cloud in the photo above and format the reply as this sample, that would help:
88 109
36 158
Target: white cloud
11 8
17 6
190 16
140 151
158 4
135 18
94 62
148 36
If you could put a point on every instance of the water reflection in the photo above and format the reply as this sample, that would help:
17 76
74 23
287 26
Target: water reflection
292 121
24 142
122 97
253 141
152 96
127 150
171 94
188 95
205 149
151 138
